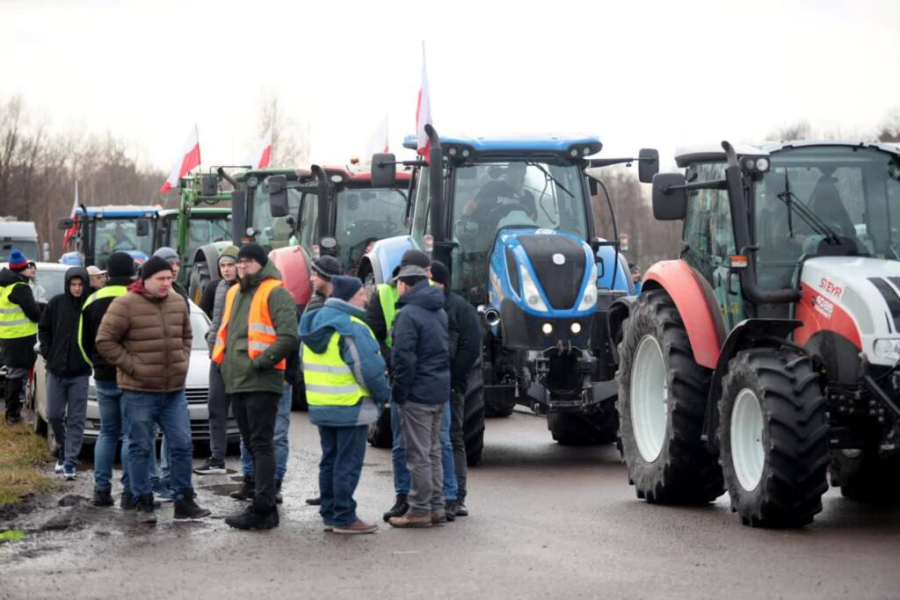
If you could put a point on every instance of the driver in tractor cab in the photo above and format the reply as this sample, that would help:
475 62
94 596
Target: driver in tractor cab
119 240
499 198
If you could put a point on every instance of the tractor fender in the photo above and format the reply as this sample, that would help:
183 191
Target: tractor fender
385 255
294 264
619 311
695 300
209 254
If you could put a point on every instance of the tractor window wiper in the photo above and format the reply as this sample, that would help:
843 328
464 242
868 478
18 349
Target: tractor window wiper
552 178
795 204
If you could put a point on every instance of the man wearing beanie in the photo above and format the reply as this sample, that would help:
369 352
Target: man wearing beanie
346 388
147 335
120 269
258 332
170 256
321 273
19 316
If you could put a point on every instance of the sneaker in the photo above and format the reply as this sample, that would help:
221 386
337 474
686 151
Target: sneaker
357 527
247 491
401 506
278 497
145 512
127 501
439 517
411 521
314 501
212 466
69 472
187 508
59 467
461 510
253 517
103 498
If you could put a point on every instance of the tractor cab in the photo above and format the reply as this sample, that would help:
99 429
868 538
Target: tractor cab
102 230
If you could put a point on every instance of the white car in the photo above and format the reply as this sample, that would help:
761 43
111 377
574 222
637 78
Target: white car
196 390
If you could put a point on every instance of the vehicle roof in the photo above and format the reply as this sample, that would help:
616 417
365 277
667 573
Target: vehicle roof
360 176
515 144
46 266
18 229
121 210
714 153
245 175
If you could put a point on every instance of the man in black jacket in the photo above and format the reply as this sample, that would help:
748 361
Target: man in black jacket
465 350
67 370
19 315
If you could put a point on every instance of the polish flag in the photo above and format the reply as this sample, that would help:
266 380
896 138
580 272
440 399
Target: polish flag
71 231
189 160
378 142
263 155
423 111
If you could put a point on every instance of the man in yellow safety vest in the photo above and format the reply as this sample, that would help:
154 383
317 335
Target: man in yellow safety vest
19 316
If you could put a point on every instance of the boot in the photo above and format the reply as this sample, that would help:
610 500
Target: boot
278 498
411 521
186 508
399 509
127 501
145 512
254 517
247 491
103 498
14 389
450 510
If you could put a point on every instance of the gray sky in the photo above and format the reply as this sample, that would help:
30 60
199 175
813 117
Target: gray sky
650 73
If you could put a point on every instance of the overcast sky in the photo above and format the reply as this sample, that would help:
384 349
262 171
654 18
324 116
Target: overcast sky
649 73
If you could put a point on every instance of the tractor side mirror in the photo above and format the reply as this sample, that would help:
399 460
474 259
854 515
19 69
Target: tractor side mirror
142 227
384 171
648 164
276 186
209 185
65 223
669 196
238 216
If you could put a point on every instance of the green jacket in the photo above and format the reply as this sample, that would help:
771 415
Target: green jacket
241 375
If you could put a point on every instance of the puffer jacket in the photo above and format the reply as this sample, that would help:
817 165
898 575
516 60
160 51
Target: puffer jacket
19 352
58 330
148 339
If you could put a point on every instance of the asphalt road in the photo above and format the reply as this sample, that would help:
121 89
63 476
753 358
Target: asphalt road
546 521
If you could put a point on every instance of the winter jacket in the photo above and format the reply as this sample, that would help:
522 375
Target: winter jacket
376 322
465 338
148 339
180 289
241 375
19 352
316 301
58 330
220 290
91 317
208 298
421 347
359 350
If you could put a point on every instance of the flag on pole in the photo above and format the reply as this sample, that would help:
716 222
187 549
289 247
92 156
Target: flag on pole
71 231
190 159
263 155
378 142
423 111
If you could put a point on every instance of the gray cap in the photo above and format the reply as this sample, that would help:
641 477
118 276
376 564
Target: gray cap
410 271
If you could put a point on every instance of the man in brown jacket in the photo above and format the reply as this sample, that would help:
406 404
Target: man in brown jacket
147 334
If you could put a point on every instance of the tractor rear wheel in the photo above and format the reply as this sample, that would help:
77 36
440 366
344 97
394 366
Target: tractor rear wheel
474 411
577 429
200 278
662 403
864 476
773 436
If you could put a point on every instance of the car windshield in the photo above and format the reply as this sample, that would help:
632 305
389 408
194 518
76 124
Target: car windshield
51 282
200 327
27 247
113 235
273 232
855 192
365 215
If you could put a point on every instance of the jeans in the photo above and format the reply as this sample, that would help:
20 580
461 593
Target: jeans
422 432
281 441
66 411
143 412
218 414
109 400
255 414
398 455
458 440
343 451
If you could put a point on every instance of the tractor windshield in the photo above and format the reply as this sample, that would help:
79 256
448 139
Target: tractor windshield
273 232
112 235
855 192
364 216
202 230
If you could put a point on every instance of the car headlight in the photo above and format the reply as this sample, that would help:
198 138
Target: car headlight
888 349
589 300
530 292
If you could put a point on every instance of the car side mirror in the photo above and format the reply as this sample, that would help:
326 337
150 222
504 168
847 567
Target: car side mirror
669 196
142 227
648 164
65 223
384 170
276 186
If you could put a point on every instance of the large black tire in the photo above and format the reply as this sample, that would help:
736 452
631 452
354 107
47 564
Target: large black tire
498 409
200 278
771 401
473 423
864 476
576 429
380 434
684 471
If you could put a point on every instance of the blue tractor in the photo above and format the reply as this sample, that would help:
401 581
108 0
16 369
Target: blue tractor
102 230
513 219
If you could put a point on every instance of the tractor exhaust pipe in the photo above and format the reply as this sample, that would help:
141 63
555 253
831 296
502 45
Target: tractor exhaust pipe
491 316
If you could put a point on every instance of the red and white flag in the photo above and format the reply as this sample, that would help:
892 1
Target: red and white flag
190 159
378 142
423 111
263 155
71 231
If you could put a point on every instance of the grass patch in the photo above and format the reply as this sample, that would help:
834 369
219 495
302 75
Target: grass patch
22 454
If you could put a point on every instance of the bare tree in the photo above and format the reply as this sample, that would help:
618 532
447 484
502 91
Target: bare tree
801 130
889 130
290 141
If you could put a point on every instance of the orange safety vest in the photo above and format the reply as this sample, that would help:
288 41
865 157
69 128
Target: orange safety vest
260 330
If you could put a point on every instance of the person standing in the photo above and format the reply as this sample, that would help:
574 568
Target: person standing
109 395
227 264
98 277
421 388
67 370
346 388
171 257
147 334
635 277
19 316
258 332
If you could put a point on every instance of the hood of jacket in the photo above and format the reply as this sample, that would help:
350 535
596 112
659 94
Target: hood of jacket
270 271
316 328
138 287
8 277
81 273
424 295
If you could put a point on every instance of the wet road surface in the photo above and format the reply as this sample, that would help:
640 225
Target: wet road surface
546 521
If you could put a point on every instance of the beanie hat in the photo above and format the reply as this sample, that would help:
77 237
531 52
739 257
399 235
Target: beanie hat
229 254
167 254
154 265
415 257
440 273
345 287
253 252
120 264
17 260
327 267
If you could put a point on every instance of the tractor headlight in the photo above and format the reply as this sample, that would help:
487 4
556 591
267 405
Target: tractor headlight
575 328
530 291
888 349
589 300
547 328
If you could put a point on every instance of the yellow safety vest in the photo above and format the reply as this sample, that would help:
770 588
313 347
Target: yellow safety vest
14 324
329 381
260 329
110 291
387 297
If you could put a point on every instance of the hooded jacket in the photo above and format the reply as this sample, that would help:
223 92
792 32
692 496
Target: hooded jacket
242 375
219 292
91 317
465 338
148 339
19 352
58 329
359 350
420 354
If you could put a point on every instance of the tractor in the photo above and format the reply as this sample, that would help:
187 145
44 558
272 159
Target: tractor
512 218
102 230
767 353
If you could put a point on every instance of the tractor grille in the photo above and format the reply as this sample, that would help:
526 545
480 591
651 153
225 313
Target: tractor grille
197 395
561 283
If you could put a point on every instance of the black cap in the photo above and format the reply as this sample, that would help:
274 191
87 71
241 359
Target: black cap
120 264
153 266
327 267
345 287
254 252
440 273
415 257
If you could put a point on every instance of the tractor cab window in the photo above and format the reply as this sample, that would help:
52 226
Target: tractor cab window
112 235
421 224
204 231
273 232
309 220
708 229
365 216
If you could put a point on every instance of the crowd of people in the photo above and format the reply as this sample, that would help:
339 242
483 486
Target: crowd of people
412 345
